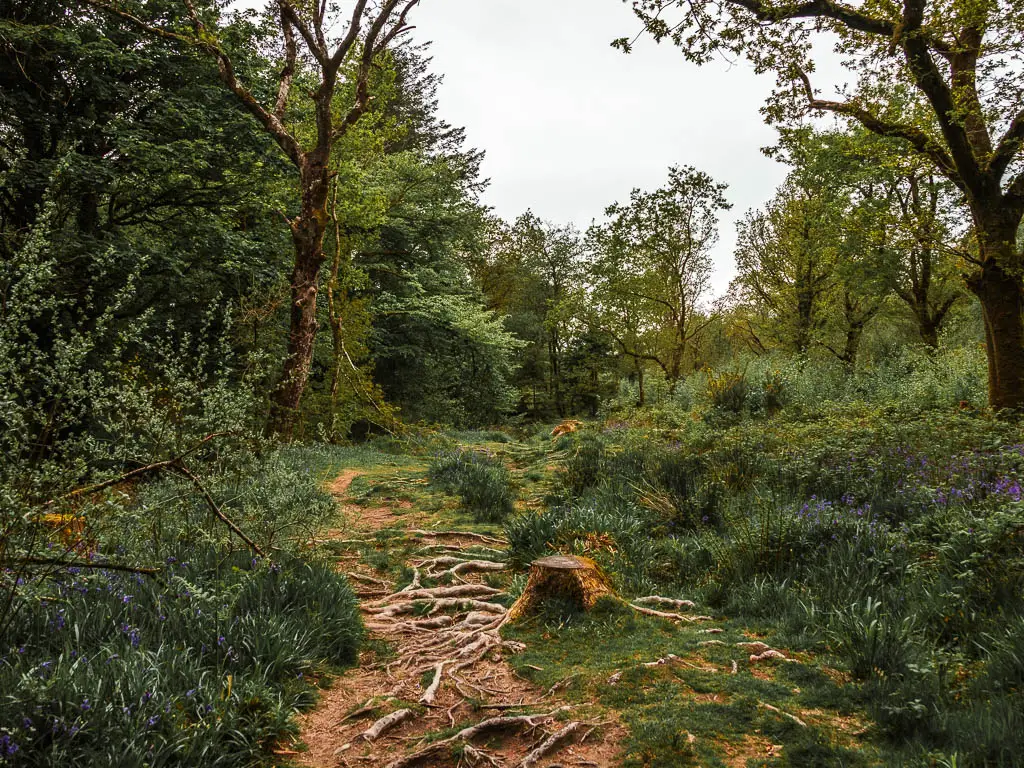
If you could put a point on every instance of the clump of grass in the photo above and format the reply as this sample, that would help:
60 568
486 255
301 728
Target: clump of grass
481 480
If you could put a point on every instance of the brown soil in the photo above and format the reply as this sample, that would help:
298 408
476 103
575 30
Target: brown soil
390 676
339 486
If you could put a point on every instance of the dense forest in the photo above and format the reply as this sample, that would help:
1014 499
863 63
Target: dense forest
291 419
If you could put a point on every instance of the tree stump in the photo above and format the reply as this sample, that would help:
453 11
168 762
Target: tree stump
578 580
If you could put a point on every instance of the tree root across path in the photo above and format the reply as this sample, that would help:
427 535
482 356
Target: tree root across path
443 668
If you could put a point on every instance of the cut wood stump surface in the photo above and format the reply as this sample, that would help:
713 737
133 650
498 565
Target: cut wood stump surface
577 580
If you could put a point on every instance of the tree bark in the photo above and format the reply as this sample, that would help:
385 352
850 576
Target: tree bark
642 394
1002 303
308 230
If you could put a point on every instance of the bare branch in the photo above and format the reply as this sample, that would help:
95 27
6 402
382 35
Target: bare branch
377 40
318 51
346 43
203 40
135 473
848 16
182 469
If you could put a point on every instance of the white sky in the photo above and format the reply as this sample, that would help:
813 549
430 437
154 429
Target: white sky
570 124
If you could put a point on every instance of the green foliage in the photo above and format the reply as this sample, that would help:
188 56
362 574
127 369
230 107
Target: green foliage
481 480
203 662
891 546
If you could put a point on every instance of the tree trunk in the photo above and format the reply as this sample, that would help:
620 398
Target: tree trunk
929 330
854 333
640 382
1002 305
804 311
308 239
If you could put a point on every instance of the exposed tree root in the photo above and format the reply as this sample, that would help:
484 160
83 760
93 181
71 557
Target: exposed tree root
778 711
659 662
668 602
435 604
368 579
670 616
386 723
414 584
474 566
459 534
550 744
458 590
431 693
466 735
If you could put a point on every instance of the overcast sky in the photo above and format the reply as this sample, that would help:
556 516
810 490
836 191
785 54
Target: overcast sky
570 124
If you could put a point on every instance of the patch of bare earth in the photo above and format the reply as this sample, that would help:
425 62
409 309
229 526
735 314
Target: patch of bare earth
442 693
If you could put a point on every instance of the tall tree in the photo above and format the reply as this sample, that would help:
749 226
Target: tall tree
785 263
960 61
532 274
368 32
926 279
655 254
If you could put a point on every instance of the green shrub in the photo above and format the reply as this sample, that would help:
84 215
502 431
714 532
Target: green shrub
585 463
727 391
481 480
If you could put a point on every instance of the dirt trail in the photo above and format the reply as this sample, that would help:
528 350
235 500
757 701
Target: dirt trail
434 663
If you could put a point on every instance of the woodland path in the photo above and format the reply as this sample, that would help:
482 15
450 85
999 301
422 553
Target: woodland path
434 661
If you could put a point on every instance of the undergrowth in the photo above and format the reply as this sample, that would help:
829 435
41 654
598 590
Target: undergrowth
893 547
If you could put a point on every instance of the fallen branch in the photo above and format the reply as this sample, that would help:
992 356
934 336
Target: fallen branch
43 561
550 744
182 469
155 467
386 723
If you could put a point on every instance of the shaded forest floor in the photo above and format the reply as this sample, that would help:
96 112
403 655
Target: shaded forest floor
619 687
